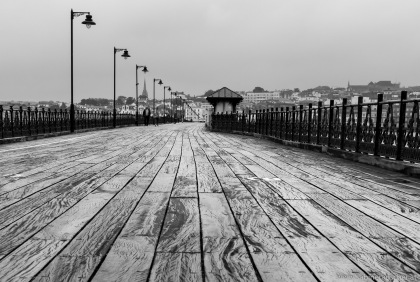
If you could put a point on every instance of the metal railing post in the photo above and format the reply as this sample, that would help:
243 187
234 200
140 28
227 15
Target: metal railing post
401 123
300 122
330 123
343 124
318 129
359 123
286 122
378 124
281 123
309 122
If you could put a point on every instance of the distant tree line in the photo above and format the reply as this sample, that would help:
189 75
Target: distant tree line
121 100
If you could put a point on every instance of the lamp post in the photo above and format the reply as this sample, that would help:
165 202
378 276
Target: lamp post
172 109
160 83
88 22
137 91
174 103
164 105
125 55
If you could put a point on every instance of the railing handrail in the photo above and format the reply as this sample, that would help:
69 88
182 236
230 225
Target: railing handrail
381 128
16 121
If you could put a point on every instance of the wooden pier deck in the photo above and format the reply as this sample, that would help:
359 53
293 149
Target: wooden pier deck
179 203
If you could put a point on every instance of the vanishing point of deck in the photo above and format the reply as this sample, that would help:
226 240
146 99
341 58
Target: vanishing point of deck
179 203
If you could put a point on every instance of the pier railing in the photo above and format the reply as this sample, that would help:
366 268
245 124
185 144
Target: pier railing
384 128
26 122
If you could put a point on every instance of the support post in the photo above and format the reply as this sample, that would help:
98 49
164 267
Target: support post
330 123
318 129
249 120
300 122
359 123
276 123
343 124
287 122
309 122
401 124
281 122
378 123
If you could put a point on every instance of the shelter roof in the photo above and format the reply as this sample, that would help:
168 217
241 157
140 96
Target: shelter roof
226 93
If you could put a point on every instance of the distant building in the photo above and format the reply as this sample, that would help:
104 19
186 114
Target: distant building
383 86
261 96
126 109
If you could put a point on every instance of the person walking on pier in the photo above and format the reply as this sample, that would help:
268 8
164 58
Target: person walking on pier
157 119
146 116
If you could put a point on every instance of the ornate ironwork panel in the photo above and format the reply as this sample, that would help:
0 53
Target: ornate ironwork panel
388 138
368 132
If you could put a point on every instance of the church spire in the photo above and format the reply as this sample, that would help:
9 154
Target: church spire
144 93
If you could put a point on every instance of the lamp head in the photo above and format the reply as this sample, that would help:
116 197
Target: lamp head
169 88
125 55
160 82
144 69
88 21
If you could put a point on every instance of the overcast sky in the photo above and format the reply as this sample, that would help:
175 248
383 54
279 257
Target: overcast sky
197 45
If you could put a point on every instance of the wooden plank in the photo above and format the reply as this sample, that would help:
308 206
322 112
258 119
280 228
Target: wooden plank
407 210
228 261
325 261
94 241
28 259
358 220
132 253
383 267
397 222
186 179
147 218
216 218
16 195
363 252
181 229
69 268
225 255
35 201
166 176
281 267
127 261
207 179
20 182
177 267
402 247
283 189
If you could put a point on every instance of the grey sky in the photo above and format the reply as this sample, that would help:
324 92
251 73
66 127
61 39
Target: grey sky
196 45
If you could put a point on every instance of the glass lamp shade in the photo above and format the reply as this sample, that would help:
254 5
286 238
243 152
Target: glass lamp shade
125 55
88 21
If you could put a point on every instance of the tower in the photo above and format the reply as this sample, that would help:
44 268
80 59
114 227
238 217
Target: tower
144 93
144 97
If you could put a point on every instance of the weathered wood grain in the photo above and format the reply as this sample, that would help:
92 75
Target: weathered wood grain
129 259
165 178
148 217
181 229
28 259
228 261
69 268
362 251
207 179
404 248
186 179
177 267
216 218
397 222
